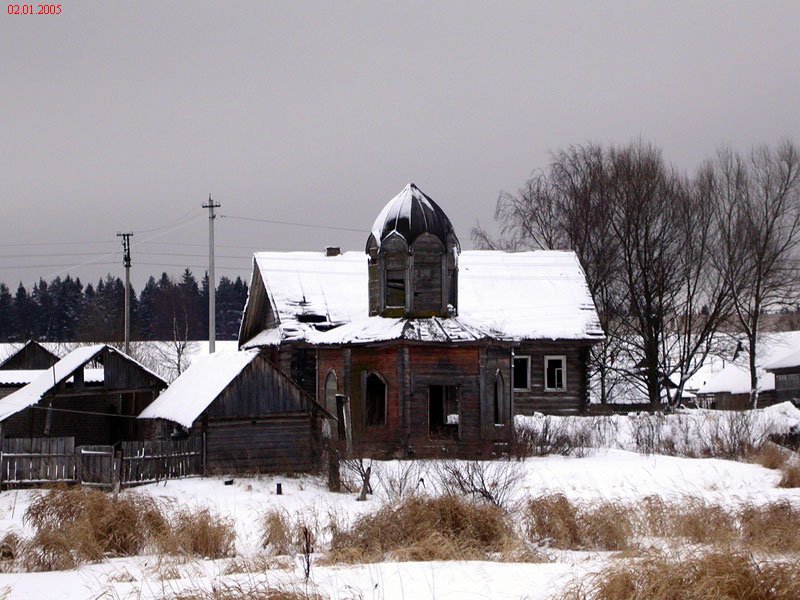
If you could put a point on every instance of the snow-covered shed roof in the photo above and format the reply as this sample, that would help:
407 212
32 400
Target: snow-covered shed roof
734 378
323 300
50 378
410 214
198 386
787 361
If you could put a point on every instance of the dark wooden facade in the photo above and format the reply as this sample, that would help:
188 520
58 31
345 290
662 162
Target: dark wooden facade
261 422
94 413
787 384
31 356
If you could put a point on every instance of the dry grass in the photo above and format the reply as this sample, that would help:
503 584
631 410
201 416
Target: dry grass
770 456
252 591
791 476
257 564
771 528
198 532
696 520
716 576
77 525
556 521
284 535
420 529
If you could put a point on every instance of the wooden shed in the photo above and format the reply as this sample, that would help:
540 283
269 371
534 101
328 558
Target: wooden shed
787 377
251 417
31 356
92 394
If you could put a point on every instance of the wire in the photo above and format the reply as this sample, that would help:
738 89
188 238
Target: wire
293 224
178 220
83 412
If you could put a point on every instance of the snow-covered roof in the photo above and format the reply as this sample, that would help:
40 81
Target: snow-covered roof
791 359
735 377
322 300
198 386
26 376
62 371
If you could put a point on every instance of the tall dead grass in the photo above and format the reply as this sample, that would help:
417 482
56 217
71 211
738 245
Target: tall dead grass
284 535
249 591
715 576
77 525
556 521
421 529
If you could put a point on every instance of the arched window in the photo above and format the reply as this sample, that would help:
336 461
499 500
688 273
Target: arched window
375 400
499 394
331 389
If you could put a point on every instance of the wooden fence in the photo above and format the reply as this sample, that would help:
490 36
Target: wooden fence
146 462
47 461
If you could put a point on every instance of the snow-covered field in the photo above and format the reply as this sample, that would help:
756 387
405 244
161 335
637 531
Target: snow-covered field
608 473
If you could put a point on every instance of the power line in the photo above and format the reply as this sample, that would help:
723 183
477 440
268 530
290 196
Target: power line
293 224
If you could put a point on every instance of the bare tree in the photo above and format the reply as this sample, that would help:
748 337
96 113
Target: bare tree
758 199
645 236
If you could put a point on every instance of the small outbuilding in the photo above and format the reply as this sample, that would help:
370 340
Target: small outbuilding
787 377
251 417
92 394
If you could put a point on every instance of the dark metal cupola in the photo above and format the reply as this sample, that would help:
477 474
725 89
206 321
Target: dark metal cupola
413 259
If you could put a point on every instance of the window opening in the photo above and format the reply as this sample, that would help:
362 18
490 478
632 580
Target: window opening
375 400
498 399
555 373
395 288
331 387
443 413
522 372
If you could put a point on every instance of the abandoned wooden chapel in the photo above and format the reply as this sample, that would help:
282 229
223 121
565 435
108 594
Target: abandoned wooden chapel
433 349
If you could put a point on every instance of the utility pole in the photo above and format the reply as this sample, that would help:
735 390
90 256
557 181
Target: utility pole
126 261
212 285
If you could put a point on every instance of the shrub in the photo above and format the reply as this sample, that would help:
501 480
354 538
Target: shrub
770 456
446 528
492 482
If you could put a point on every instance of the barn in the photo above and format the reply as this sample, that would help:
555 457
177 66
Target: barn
92 394
435 349
250 416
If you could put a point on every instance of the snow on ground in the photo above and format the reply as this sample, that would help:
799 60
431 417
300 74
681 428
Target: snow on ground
603 474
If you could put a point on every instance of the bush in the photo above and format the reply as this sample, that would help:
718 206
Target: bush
446 528
790 477
492 482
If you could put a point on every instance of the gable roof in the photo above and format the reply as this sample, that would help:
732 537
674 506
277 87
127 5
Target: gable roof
323 300
787 361
31 355
198 386
60 372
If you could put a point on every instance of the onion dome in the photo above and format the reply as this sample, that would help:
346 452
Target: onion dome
409 215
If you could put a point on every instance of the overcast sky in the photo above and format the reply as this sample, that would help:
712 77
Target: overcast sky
123 116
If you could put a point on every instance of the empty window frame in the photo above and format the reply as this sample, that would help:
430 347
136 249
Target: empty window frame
555 373
522 372
395 288
375 400
331 389
443 415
